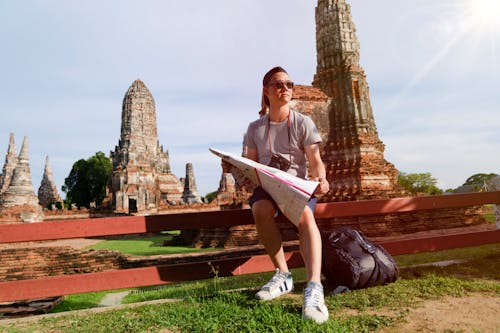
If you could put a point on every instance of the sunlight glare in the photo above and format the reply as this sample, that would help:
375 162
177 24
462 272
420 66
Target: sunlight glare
483 13
467 26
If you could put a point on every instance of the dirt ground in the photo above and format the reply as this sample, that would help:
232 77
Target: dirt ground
475 313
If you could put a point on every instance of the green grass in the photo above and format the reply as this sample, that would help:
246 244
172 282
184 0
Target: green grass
206 306
80 301
205 287
466 253
488 214
145 246
489 217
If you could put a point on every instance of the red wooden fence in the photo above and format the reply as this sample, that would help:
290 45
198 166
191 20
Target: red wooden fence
147 276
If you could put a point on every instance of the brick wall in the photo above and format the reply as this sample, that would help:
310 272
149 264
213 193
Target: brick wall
36 262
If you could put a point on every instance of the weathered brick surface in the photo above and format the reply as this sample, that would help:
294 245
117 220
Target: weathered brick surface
410 222
373 226
37 262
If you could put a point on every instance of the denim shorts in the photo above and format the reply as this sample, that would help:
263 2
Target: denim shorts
260 194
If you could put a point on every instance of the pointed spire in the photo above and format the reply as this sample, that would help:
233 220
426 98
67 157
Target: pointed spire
12 145
337 44
139 133
47 192
10 164
338 71
23 154
48 169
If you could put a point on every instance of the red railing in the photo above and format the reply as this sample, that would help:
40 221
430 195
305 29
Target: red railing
148 276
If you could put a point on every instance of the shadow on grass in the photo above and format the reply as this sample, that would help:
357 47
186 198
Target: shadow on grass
484 267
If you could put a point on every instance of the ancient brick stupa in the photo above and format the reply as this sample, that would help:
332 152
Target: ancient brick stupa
352 151
141 179
47 192
190 194
19 199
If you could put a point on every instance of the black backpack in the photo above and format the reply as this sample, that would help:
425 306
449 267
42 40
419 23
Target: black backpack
351 261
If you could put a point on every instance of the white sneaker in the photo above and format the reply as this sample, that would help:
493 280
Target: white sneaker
314 303
281 283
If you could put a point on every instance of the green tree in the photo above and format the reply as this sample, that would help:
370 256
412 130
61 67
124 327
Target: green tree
419 183
478 180
211 196
87 180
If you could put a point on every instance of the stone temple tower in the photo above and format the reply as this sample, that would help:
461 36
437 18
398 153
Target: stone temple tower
190 194
47 192
20 195
352 152
141 179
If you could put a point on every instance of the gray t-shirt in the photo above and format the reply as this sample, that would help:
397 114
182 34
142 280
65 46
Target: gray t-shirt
264 136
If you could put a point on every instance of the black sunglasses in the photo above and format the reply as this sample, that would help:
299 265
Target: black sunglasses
282 84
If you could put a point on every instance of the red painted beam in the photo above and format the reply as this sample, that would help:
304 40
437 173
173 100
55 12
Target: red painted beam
21 232
441 242
135 277
400 205
81 228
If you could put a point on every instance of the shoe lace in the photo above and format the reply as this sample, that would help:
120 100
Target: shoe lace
313 297
275 281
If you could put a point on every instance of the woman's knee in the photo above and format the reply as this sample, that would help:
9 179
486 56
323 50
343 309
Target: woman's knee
263 210
307 218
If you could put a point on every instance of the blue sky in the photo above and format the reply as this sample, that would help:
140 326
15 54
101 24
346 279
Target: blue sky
432 67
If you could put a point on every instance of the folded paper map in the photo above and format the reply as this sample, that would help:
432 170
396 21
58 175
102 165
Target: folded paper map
290 193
